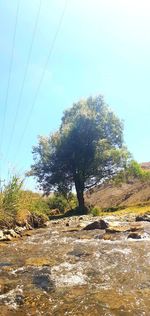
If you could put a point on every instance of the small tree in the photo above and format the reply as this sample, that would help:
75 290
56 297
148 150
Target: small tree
86 150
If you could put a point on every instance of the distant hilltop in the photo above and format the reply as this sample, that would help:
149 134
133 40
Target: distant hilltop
145 165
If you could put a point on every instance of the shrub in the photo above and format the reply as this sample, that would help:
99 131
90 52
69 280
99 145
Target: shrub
11 194
61 202
95 211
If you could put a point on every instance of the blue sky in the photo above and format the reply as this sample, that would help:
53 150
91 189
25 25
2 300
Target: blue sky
103 47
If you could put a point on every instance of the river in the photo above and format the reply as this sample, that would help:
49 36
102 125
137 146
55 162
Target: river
64 270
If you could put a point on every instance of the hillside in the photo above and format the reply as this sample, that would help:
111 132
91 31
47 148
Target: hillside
108 196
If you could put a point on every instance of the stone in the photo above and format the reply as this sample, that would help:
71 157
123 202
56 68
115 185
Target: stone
39 262
42 280
1 235
97 225
118 229
143 218
12 233
8 237
134 235
55 212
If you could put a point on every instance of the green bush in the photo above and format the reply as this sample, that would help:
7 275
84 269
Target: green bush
11 195
95 211
62 203
130 173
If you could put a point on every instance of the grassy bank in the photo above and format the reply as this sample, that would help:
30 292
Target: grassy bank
19 207
131 210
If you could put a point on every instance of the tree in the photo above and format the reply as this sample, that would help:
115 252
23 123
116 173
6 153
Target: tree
86 150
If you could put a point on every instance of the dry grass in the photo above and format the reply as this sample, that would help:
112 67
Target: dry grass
132 210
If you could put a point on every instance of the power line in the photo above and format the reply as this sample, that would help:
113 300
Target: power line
9 75
43 73
25 75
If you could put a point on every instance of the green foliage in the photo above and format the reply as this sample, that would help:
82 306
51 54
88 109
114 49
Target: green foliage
11 194
133 171
95 211
61 202
57 201
16 204
87 149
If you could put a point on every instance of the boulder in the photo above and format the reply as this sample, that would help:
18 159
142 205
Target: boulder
134 235
97 225
143 218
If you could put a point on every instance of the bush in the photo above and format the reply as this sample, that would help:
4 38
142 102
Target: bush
11 194
19 206
131 173
95 211
62 203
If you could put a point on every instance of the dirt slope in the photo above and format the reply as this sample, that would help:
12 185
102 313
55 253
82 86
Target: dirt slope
125 195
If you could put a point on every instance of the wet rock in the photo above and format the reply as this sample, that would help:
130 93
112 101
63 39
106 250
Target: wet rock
97 225
42 279
19 299
39 262
78 253
143 218
118 229
26 233
134 235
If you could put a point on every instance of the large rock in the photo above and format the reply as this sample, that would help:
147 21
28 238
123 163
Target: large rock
143 218
97 225
134 235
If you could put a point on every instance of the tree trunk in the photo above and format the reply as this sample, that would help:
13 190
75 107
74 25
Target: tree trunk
79 185
80 197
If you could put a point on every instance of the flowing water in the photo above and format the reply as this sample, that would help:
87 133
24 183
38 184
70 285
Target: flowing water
60 271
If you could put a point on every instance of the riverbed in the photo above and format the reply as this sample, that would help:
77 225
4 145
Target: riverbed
65 270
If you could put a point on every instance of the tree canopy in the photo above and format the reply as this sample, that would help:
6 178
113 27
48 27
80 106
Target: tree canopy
86 150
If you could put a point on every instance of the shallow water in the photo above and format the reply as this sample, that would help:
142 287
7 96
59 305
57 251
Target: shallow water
58 271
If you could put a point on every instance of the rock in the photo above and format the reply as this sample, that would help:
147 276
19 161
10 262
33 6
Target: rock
134 235
39 262
1 235
19 299
42 280
118 229
55 212
11 232
19 229
97 225
143 218
67 224
8 237
108 237
4 237
81 218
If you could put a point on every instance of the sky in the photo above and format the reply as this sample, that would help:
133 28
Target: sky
94 47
